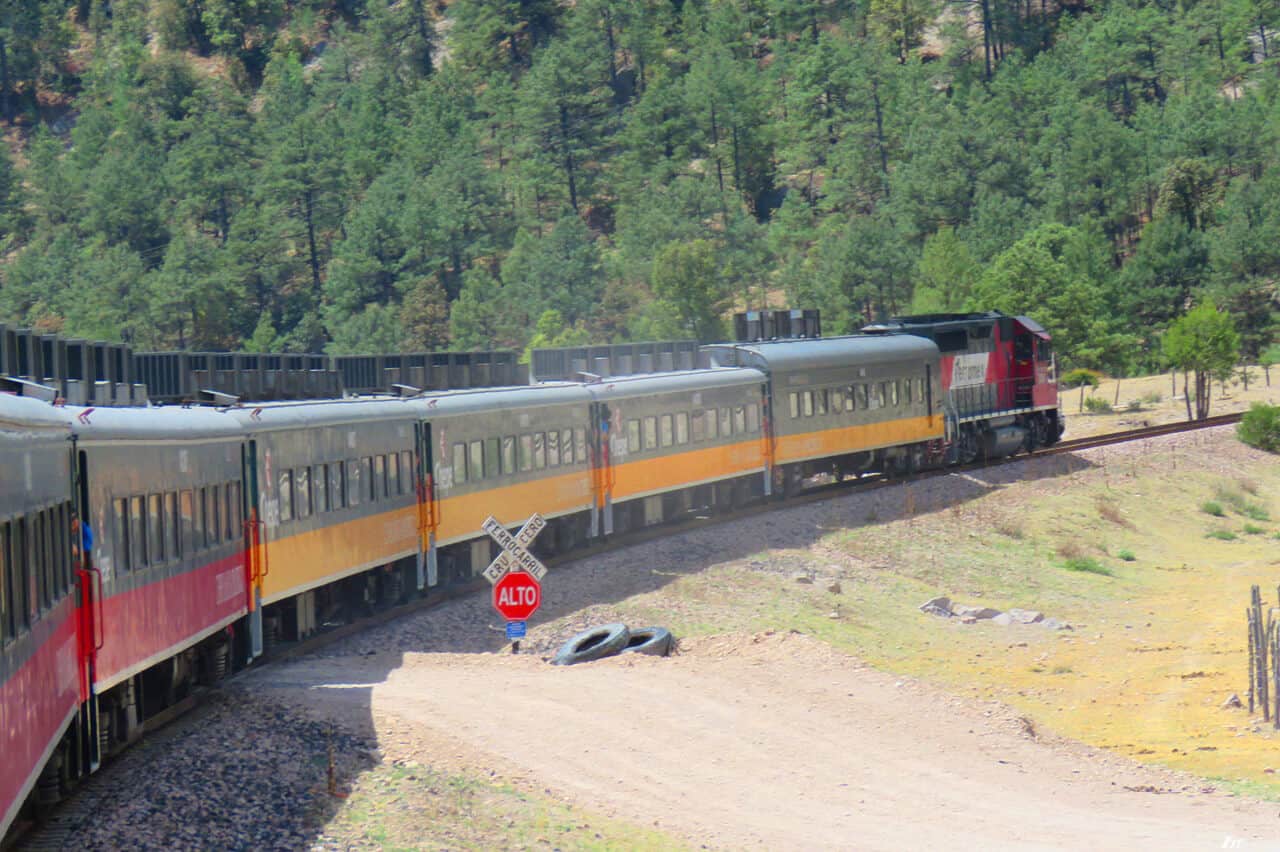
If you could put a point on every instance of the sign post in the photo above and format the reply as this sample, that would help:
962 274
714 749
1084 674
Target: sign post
516 575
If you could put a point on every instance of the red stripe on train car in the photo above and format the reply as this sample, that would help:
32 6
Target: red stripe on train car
35 705
143 626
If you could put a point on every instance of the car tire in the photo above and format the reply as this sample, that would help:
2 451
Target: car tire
655 641
594 644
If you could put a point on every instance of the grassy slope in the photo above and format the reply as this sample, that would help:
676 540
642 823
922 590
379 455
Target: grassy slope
1157 646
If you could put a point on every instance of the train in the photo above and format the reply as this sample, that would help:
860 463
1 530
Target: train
147 551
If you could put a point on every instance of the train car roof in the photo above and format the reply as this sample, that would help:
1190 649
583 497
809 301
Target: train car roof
824 352
25 414
646 384
269 416
164 423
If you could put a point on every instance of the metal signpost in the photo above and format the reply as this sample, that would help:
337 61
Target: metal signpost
516 575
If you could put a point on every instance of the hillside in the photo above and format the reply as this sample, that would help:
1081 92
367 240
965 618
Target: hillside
364 174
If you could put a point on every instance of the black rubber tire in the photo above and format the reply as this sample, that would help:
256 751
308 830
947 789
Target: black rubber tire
655 641
594 644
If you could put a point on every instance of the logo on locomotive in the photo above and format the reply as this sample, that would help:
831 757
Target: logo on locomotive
969 370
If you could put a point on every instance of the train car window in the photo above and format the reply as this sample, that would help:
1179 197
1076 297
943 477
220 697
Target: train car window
286 495
906 391
851 398
393 474
539 450
508 454
302 493
19 589
475 463
633 436
753 418
320 485
699 425
186 533
379 481
338 484
713 428
39 564
406 472
794 399
493 456
882 390
726 423
171 521
580 444
237 511
682 427
526 452
214 533
820 402
155 529
553 448
863 401
137 534
806 403
459 464
368 488
58 532
6 629
893 393
650 433
566 447
920 389
354 482
666 433
740 419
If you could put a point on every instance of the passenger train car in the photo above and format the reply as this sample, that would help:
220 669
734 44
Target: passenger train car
220 531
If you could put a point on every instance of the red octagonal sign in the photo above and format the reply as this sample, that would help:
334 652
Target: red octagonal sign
517 595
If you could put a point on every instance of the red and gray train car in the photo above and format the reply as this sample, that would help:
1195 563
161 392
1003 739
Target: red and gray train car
214 532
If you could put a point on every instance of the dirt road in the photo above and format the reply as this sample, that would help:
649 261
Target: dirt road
770 741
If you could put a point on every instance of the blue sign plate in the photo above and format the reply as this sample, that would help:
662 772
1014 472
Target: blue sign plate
515 629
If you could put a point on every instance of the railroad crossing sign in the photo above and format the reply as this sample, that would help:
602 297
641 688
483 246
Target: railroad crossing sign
516 596
515 555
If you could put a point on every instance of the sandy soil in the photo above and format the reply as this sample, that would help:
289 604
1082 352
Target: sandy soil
769 741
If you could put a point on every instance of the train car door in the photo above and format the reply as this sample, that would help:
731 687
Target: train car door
601 470
89 615
255 545
428 509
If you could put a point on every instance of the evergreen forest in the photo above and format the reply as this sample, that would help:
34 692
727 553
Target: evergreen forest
376 175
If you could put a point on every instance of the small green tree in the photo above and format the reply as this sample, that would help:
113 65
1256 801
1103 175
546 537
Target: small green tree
1268 359
1204 343
1260 427
687 276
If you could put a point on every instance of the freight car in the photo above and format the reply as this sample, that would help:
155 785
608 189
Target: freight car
222 531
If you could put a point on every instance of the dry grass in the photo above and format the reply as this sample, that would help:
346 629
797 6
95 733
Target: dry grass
1069 550
1109 511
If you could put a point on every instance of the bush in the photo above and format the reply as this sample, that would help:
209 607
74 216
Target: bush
1222 535
1134 405
1253 529
1209 507
1080 376
1087 565
1153 398
1254 512
1260 427
1097 405
1126 555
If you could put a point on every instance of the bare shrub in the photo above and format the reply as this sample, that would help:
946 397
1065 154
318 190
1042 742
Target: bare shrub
1111 512
1010 528
1070 550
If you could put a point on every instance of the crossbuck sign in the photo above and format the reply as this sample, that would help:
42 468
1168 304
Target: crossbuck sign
515 555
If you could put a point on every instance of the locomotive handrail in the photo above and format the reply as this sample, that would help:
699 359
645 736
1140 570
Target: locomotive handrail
99 630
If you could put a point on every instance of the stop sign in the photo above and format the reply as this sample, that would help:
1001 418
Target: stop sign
517 595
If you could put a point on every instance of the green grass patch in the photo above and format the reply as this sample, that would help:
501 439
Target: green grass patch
1255 512
1087 565
1221 535
1253 529
1125 555
1211 507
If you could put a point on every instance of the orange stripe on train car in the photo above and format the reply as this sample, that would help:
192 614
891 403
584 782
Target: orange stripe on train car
645 476
850 439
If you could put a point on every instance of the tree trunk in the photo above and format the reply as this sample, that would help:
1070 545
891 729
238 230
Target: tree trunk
1186 392
612 47
737 165
568 158
6 107
1244 372
880 146
986 37
1173 383
1116 404
309 212
715 144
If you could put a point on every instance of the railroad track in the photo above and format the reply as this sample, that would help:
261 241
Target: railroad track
95 793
